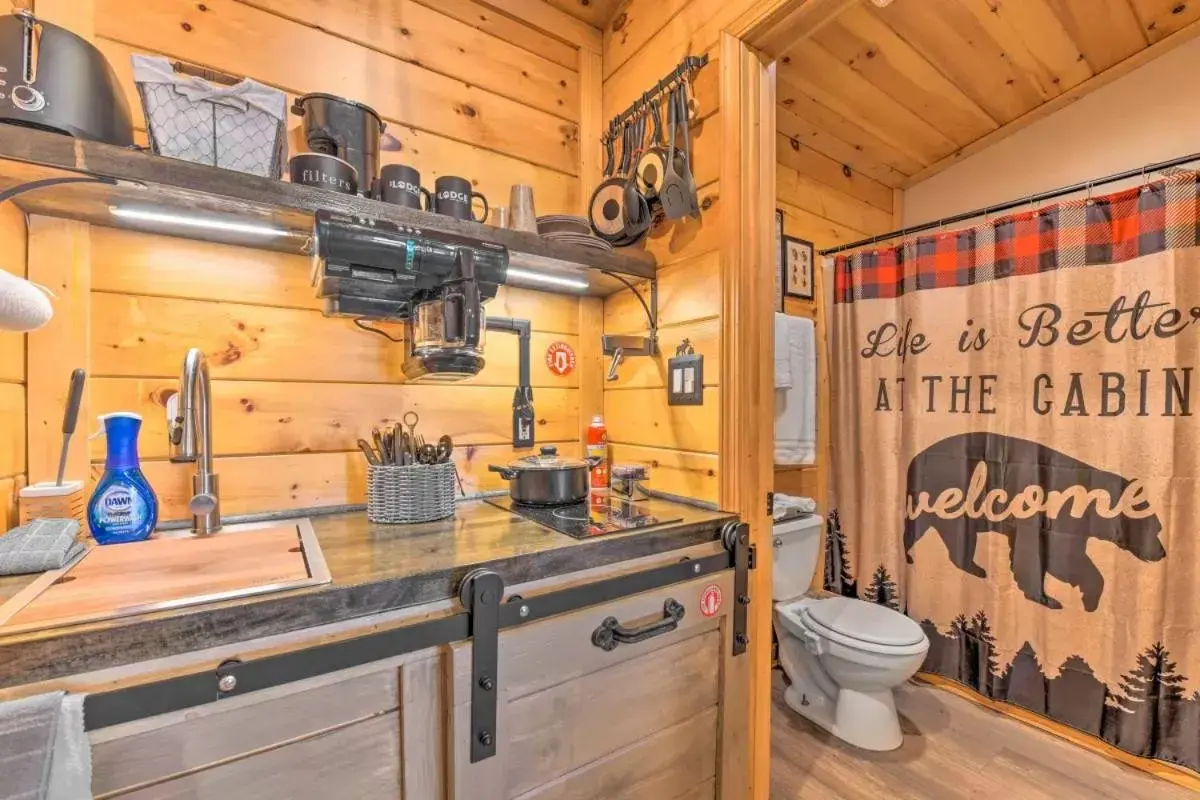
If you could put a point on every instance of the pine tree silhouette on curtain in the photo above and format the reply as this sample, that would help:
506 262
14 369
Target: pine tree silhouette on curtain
838 577
882 590
981 654
1150 697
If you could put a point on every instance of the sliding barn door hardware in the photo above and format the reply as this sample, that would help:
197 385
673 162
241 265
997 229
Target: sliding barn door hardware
736 538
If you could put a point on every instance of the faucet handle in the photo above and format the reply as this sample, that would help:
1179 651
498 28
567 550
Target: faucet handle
175 431
201 504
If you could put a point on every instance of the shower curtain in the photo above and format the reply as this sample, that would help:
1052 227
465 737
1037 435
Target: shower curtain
1017 457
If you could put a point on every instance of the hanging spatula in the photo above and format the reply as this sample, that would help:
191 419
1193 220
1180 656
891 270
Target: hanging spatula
689 180
674 186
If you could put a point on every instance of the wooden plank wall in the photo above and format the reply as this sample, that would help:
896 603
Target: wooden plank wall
467 90
13 239
645 40
829 194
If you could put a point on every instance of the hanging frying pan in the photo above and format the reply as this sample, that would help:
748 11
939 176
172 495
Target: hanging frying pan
606 211
651 167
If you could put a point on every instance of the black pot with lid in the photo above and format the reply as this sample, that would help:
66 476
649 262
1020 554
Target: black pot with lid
547 479
344 128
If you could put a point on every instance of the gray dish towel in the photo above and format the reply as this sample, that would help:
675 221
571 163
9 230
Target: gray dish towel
40 545
44 751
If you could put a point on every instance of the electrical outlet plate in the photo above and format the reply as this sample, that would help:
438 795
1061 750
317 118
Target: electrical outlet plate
685 380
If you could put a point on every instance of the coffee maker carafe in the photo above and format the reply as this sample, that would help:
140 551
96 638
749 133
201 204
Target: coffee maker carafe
446 333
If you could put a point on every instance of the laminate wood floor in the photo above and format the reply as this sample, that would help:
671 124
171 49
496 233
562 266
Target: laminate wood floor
952 749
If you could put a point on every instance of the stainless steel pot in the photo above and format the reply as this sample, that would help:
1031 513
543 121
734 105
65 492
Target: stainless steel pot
546 479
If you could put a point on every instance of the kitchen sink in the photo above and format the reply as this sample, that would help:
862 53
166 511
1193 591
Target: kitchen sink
173 569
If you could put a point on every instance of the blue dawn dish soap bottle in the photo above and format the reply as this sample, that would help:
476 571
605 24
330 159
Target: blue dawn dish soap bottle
123 508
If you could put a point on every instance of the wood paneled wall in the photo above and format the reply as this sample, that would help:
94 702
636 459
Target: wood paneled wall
12 375
830 194
292 390
464 89
645 40
492 92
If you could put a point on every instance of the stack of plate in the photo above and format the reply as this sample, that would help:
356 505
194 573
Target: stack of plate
570 230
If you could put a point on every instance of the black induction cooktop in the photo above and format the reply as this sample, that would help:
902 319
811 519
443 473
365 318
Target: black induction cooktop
592 517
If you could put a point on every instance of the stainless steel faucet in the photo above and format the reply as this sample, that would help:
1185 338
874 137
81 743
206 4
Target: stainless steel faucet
189 424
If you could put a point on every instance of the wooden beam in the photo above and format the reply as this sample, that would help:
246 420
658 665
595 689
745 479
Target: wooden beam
774 27
1063 100
591 124
747 402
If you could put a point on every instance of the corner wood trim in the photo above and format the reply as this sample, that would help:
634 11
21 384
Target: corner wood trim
1159 769
747 286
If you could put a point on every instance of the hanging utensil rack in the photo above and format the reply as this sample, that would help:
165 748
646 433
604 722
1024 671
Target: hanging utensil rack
686 70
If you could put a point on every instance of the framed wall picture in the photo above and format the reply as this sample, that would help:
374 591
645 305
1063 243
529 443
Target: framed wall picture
798 258
779 259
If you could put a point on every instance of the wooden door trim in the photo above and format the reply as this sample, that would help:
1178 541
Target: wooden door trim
747 401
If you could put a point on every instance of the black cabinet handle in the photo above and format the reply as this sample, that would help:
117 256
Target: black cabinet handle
612 633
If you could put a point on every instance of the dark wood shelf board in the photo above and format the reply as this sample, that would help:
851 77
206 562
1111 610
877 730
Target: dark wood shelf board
168 185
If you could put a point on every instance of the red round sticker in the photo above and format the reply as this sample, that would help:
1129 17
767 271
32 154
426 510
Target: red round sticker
560 358
710 600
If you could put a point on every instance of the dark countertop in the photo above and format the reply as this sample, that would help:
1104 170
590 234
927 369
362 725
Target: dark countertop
375 568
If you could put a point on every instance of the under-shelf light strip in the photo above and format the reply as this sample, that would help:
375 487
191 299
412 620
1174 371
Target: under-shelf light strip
553 280
195 222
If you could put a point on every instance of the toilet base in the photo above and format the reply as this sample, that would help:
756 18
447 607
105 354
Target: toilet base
867 720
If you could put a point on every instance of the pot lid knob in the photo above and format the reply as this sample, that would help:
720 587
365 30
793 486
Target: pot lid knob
549 450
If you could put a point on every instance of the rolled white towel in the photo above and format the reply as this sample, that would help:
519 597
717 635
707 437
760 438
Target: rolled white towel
24 306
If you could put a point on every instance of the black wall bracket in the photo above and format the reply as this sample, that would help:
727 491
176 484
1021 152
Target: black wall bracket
736 538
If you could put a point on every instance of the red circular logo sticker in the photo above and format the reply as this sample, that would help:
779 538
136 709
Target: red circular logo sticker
560 358
710 600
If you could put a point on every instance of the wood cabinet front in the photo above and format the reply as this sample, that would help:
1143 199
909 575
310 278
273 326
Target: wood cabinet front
657 716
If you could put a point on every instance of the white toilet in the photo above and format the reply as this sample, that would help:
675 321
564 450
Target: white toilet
843 656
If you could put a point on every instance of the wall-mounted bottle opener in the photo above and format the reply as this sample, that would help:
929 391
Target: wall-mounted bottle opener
685 371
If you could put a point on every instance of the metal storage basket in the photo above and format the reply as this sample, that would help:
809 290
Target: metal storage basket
414 493
207 117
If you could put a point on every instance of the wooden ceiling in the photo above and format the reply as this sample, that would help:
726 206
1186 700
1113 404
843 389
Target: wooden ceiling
901 92
594 12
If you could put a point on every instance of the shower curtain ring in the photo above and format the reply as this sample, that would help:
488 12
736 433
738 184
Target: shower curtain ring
1089 200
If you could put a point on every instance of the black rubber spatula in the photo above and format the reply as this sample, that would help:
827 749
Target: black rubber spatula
70 418
674 192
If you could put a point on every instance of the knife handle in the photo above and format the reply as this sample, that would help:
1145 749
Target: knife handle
74 397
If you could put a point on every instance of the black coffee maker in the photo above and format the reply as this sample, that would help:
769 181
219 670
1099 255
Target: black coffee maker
435 283
346 129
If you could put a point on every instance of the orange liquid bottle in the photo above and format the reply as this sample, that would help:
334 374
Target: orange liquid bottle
597 447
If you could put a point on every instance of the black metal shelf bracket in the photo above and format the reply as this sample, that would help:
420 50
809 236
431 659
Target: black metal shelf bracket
736 538
480 593
619 347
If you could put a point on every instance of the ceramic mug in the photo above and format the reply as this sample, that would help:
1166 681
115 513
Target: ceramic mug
324 172
401 185
452 196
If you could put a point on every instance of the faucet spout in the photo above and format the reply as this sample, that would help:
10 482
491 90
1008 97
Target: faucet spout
190 430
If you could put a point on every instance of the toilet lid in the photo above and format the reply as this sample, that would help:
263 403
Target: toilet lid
864 621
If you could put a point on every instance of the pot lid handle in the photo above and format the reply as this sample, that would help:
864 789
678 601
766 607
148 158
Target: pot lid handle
549 450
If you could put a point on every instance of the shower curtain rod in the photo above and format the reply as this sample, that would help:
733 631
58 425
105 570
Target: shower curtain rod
1028 200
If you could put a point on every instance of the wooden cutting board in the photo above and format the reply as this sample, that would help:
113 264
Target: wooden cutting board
123 579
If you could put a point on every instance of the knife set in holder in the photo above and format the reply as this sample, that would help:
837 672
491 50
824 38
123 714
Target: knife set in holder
411 493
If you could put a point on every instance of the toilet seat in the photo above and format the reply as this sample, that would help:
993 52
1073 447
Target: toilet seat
858 624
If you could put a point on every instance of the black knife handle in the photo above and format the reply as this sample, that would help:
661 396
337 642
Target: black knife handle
74 397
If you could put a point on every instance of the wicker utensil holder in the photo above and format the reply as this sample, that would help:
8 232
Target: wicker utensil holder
47 501
414 493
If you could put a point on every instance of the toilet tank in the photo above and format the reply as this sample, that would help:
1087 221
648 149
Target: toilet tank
797 545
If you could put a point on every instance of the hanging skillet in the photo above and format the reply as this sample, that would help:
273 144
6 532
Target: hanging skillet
652 164
606 211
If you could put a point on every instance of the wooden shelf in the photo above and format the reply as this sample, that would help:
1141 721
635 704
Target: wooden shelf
794 467
166 185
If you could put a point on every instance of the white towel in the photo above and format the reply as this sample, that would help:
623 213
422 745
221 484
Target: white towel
783 354
44 750
796 406
786 506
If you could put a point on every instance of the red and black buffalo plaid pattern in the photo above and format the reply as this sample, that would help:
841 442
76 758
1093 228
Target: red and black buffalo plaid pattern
1162 215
